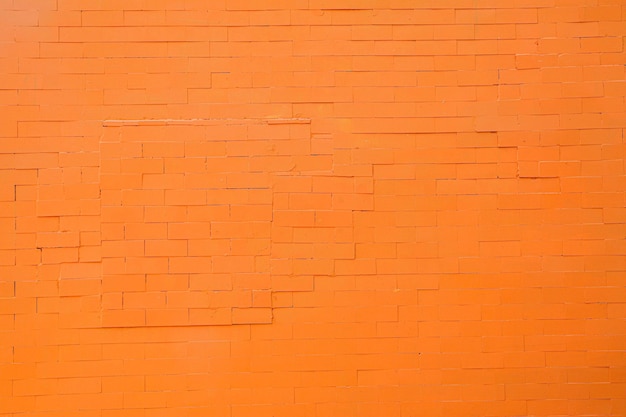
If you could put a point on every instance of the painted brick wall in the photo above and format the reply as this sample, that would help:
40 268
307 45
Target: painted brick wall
312 208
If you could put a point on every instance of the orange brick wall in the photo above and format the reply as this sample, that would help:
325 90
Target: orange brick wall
312 208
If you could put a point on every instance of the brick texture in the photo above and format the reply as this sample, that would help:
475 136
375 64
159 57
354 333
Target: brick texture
312 208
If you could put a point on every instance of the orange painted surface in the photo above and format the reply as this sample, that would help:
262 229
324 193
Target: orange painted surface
312 208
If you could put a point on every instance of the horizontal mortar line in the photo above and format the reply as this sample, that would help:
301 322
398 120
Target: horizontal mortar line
200 121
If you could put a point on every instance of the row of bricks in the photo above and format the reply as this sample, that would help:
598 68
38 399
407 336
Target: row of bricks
164 180
570 339
351 407
564 334
360 88
588 122
46 389
504 123
484 212
386 338
203 40
358 408
56 147
525 141
129 318
421 171
409 225
281 339
552 281
348 401
140 132
505 261
382 148
258 198
533 194
538 105
212 38
253 166
433 121
423 210
236 287
439 212
201 263
69 385
205 72
247 5
431 256
475 62
379 255
202 156
563 365
153 383
420 14
452 306
424 226
456 260
411 43
201 63
400 228
443 318
464 115
467 114
312 14
155 74
384 165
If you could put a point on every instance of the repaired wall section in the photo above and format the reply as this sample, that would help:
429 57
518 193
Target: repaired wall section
187 211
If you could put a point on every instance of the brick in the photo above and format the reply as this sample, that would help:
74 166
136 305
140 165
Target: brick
165 247
123 282
189 265
59 255
145 231
56 240
167 317
251 315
